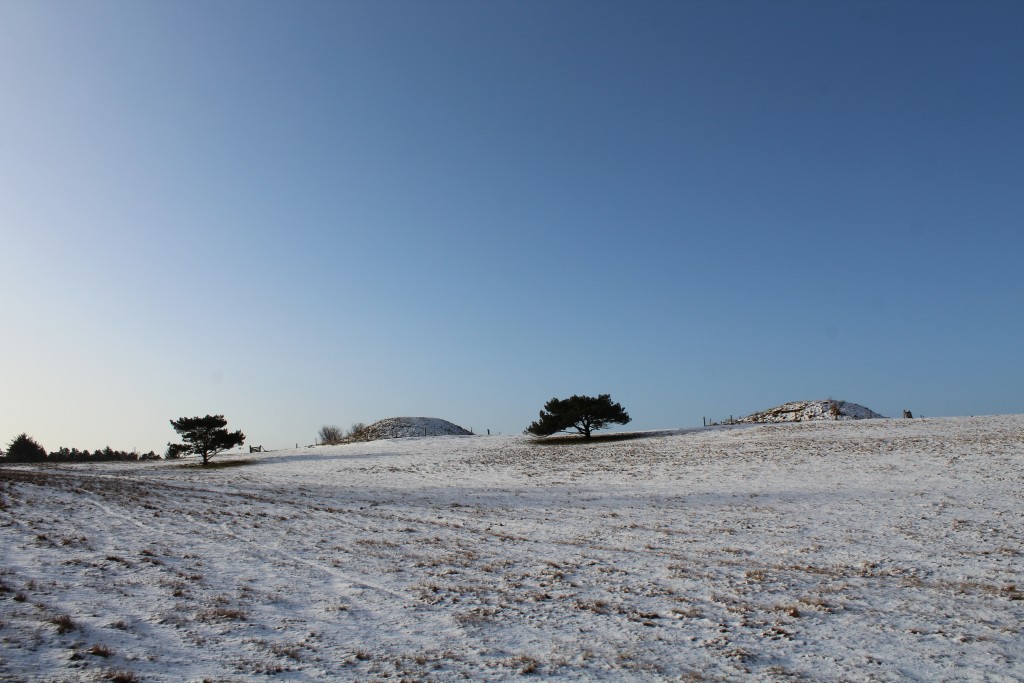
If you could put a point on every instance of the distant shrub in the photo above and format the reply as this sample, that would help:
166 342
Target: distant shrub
330 434
25 449
175 450
357 431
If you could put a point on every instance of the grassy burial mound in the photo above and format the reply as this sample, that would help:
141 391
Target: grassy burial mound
405 427
803 411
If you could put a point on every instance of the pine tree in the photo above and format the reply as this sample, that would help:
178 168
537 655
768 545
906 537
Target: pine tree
582 413
25 449
204 436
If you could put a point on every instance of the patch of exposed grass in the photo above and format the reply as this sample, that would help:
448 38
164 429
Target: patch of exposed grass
525 664
222 614
98 650
216 464
64 623
289 650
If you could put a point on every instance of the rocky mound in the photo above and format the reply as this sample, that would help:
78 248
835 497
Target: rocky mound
800 411
402 427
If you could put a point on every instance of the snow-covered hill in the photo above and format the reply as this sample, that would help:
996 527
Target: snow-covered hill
883 550
801 411
403 427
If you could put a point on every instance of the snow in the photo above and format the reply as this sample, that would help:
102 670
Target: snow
832 550
800 411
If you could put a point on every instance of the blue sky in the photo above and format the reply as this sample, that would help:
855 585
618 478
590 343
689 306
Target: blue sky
307 213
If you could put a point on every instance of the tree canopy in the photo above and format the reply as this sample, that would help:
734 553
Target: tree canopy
25 449
582 413
204 436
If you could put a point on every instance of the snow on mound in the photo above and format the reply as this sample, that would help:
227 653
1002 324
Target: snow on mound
800 411
401 427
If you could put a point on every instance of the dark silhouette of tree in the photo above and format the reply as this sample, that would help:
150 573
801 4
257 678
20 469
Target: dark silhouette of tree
204 436
25 449
582 413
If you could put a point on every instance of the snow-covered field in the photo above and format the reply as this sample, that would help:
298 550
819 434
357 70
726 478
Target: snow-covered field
867 550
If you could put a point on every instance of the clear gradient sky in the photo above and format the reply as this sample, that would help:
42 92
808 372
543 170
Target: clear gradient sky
307 213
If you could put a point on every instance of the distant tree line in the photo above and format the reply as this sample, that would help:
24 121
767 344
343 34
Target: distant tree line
63 454
26 449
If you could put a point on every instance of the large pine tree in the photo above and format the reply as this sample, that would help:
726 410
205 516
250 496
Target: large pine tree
25 449
582 413
204 436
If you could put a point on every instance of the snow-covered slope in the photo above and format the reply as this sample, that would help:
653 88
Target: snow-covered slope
800 411
882 550
402 427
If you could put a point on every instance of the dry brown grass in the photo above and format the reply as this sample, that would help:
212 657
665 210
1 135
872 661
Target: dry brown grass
221 614
98 650
121 676
64 623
